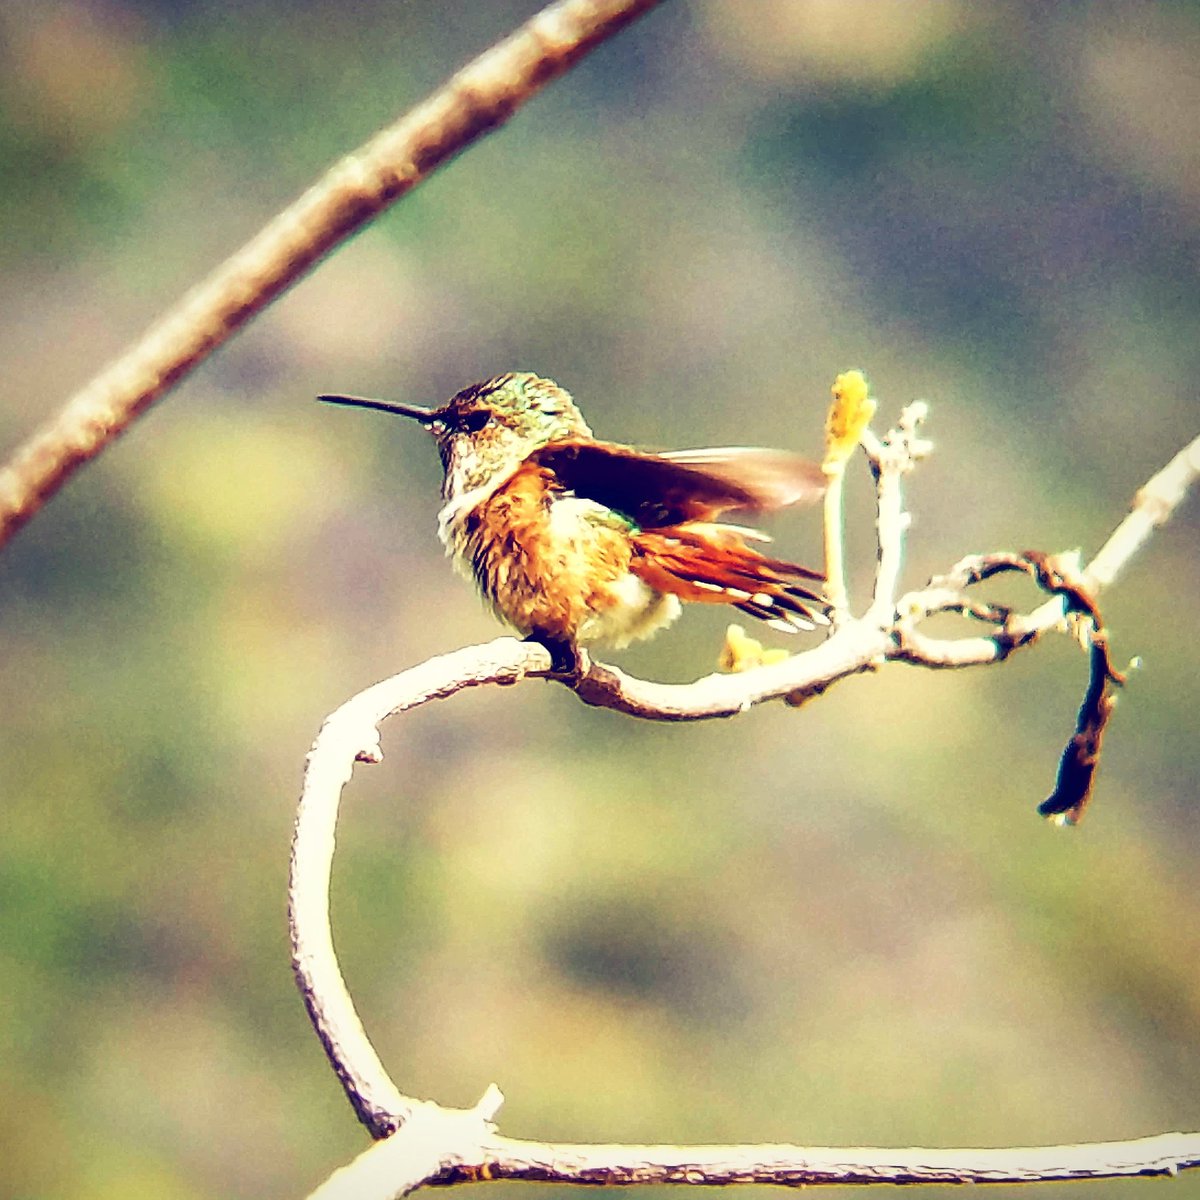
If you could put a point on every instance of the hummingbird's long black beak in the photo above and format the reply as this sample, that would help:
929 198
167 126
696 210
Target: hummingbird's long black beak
424 415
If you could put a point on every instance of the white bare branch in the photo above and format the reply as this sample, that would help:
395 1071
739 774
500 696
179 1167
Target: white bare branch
425 1143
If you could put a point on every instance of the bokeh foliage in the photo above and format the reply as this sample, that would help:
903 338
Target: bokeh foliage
843 925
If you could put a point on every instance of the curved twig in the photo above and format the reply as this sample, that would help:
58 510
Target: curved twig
351 735
481 97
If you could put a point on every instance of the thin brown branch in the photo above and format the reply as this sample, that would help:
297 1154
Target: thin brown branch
481 97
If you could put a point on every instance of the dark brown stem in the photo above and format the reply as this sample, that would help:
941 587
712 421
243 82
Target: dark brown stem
481 97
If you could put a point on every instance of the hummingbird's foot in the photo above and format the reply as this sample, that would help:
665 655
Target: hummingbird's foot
565 657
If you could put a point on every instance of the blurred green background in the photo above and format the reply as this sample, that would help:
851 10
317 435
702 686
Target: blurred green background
842 925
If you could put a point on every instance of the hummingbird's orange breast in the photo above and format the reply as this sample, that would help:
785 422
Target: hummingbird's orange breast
554 564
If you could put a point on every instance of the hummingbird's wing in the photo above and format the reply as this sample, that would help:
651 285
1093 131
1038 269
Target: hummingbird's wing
656 490
774 478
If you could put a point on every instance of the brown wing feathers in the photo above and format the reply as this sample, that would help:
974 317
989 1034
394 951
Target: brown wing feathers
671 500
711 564
657 490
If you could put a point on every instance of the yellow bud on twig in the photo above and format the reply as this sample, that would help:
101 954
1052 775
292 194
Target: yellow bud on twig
849 415
741 652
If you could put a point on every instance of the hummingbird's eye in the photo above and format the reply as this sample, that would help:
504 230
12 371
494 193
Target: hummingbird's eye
473 422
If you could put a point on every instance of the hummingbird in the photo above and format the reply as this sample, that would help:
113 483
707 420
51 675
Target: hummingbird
575 541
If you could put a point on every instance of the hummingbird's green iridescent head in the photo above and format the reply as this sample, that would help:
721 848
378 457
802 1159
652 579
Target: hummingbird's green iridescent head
488 429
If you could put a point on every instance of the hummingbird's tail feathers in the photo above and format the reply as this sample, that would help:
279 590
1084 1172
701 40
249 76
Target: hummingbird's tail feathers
711 564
